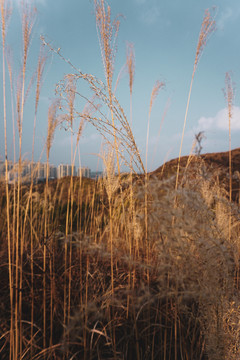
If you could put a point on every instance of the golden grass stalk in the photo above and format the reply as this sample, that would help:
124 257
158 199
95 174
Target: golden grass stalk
10 68
52 124
130 64
71 93
40 69
28 19
111 185
107 34
157 86
229 96
207 28
160 128
5 14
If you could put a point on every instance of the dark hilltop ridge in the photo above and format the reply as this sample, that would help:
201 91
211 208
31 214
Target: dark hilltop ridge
214 164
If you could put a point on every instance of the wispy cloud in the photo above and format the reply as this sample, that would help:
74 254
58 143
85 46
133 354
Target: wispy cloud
220 121
84 140
227 15
33 2
150 16
149 11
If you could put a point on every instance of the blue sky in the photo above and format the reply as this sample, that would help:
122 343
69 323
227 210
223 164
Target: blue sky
165 35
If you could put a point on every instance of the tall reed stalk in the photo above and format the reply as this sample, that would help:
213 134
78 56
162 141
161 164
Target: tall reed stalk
229 95
52 124
207 28
13 225
157 86
111 184
5 13
71 93
28 18
40 69
107 33
130 63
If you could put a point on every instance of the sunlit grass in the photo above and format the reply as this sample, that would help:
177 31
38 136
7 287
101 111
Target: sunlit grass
129 266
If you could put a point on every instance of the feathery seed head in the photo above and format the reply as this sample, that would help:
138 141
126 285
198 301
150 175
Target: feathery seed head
52 123
130 64
6 11
229 92
40 69
71 93
157 86
28 20
107 33
207 28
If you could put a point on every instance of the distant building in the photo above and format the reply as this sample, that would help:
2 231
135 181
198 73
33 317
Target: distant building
65 170
41 171
96 174
33 169
84 171
52 172
68 170
25 170
37 171
29 171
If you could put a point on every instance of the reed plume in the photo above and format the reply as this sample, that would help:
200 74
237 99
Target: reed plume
107 34
52 124
131 71
130 65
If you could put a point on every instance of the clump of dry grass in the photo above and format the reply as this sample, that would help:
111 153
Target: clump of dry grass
178 300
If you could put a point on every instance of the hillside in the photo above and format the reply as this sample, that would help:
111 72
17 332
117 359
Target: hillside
216 164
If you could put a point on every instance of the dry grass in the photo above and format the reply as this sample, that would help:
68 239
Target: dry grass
99 269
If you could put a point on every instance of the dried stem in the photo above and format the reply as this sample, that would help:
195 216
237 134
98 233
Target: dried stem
5 13
207 28
229 96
